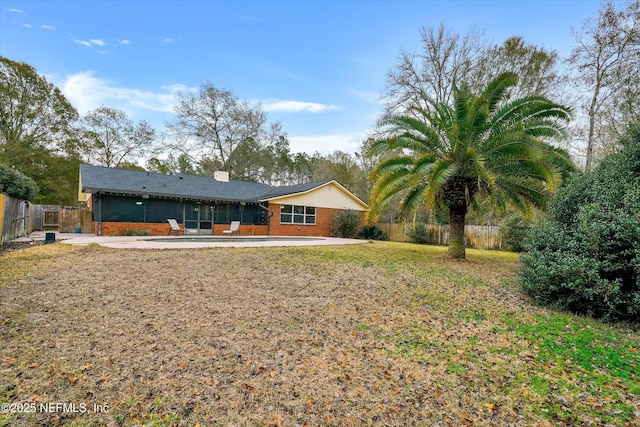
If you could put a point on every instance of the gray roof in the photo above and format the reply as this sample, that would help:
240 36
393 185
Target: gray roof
293 189
125 181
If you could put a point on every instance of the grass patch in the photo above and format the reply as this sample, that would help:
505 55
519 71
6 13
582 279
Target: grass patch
375 334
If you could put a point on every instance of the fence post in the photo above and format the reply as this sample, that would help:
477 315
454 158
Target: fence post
1 218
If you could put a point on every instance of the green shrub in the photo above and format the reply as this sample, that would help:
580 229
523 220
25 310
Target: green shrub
418 233
16 184
346 223
586 256
372 232
513 230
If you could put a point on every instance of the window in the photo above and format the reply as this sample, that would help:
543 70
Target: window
291 214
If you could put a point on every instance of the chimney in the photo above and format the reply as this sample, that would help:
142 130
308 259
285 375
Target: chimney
222 176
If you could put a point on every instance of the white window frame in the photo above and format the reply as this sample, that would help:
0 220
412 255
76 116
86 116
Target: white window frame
298 215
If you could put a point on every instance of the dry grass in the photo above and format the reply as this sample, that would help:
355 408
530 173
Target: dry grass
377 334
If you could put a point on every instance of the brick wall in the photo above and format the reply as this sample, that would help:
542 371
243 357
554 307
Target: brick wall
121 228
322 227
162 229
245 230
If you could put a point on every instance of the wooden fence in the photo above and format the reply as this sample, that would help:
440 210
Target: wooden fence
65 219
14 218
19 218
475 236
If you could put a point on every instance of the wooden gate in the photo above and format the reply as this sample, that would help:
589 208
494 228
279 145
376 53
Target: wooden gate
51 220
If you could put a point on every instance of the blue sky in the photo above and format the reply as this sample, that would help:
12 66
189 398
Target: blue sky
319 67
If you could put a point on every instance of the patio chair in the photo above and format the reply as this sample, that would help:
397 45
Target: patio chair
174 226
234 229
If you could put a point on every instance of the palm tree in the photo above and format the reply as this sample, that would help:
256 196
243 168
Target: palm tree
482 144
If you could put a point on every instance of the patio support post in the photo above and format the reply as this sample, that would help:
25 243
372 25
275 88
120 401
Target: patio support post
213 219
99 212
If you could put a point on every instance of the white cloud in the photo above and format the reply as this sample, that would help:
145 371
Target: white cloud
168 40
125 42
86 92
48 27
91 43
26 25
325 144
288 106
16 11
83 43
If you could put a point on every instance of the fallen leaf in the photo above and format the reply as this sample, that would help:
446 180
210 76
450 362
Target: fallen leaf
34 398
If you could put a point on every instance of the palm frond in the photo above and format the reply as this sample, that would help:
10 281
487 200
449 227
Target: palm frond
391 164
495 91
441 171
388 185
524 190
413 199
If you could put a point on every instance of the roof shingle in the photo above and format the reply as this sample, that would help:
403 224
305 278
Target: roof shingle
126 181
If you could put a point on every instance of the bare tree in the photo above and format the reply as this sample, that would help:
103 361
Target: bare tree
607 60
214 124
110 138
444 57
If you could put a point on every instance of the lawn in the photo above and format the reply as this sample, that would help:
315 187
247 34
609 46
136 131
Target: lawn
379 334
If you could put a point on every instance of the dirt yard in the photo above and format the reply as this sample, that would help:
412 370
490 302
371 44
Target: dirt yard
360 335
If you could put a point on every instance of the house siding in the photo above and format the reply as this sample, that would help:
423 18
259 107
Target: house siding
330 196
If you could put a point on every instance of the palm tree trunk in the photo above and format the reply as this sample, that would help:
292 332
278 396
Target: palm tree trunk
456 231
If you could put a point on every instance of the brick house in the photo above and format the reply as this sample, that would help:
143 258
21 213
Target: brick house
123 200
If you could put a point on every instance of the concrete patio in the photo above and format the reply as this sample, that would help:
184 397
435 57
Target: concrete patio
180 242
